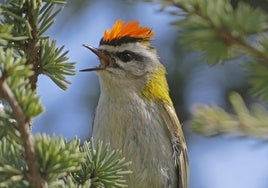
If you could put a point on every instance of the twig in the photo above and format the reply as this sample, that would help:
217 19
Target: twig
24 122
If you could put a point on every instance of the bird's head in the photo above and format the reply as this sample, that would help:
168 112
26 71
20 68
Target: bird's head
129 62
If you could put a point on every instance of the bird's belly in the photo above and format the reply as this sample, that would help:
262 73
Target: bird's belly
143 139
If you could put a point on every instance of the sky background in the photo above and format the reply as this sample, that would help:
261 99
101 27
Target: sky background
215 162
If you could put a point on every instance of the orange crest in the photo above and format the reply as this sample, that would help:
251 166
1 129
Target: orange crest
129 29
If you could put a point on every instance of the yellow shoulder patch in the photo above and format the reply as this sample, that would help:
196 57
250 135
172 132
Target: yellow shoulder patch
157 87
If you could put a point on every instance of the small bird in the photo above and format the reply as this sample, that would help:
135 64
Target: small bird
135 113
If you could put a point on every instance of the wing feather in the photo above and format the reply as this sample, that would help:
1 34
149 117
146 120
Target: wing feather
178 143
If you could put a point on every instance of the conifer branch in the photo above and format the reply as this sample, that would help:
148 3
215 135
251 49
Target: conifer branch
212 120
24 124
228 30
31 47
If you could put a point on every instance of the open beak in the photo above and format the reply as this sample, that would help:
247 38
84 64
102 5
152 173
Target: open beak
104 59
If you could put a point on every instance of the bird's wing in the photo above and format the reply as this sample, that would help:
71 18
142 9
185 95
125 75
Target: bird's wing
178 143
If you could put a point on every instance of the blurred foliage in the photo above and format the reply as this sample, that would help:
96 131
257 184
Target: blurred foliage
223 30
262 4
211 120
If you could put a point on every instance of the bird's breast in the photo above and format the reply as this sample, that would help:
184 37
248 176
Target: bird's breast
136 127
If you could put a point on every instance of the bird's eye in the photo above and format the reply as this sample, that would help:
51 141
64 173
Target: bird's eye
125 56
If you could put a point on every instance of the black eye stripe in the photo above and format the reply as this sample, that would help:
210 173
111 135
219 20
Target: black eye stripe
128 56
125 56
